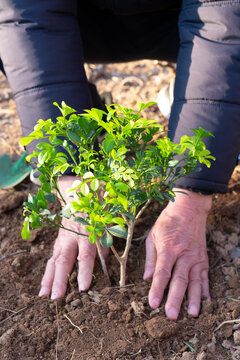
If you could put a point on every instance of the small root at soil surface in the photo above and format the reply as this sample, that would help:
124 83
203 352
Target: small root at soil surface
77 327
227 322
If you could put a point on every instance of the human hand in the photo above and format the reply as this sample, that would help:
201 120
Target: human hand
69 247
176 253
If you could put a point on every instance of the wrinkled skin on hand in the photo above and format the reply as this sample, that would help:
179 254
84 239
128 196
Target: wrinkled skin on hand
176 254
69 247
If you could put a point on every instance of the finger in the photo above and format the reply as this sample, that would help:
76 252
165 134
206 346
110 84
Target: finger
205 285
47 280
151 258
161 277
177 289
63 266
86 259
194 291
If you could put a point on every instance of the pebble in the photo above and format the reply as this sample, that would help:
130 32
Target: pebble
234 253
187 355
228 271
236 337
6 337
138 307
226 344
207 307
233 239
69 298
202 356
76 303
85 299
218 237
212 345
161 328
233 282
194 341
113 306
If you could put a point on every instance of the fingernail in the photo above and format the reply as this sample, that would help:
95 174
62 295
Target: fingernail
55 295
44 291
82 285
147 274
172 314
154 303
193 310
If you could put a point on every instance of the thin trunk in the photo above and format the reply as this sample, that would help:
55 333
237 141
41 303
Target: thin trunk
103 263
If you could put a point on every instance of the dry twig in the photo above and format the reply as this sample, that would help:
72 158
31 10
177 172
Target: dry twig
227 322
77 327
12 254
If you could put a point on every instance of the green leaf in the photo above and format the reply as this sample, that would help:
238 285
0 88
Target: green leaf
94 185
81 220
66 110
128 215
122 187
123 201
46 187
25 230
118 231
85 189
93 237
66 211
73 136
26 140
88 175
106 240
51 198
118 220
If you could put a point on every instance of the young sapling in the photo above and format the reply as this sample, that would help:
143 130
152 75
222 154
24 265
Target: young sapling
116 182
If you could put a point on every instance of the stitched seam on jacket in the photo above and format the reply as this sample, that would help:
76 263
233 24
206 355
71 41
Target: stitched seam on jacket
43 87
207 101
212 3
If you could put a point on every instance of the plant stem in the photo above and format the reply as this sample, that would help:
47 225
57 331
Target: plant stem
124 257
103 263
143 209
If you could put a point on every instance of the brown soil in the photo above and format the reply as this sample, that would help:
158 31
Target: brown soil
106 323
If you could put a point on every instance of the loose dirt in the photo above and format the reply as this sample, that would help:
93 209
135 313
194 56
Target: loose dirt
104 322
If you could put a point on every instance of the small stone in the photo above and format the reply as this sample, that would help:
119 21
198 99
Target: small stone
233 239
226 331
202 356
218 237
187 355
85 299
6 338
113 306
161 328
234 253
236 262
212 345
76 303
236 312
107 291
233 282
110 315
226 344
228 271
207 307
69 298
138 307
194 341
236 337
94 296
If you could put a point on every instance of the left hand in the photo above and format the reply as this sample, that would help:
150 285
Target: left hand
176 254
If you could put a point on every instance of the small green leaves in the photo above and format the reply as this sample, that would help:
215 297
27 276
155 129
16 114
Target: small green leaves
25 230
26 140
106 240
81 220
85 189
94 184
118 231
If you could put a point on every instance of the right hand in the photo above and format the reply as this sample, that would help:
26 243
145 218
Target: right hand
69 247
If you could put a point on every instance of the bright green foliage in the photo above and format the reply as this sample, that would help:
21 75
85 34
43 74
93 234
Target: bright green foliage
129 167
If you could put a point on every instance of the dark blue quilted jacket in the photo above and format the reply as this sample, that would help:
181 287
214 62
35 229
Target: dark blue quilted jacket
43 47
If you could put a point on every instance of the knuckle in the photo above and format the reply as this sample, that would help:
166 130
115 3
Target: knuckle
163 274
62 259
182 278
84 256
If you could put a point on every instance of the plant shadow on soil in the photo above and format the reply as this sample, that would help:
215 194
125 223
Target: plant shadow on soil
106 323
